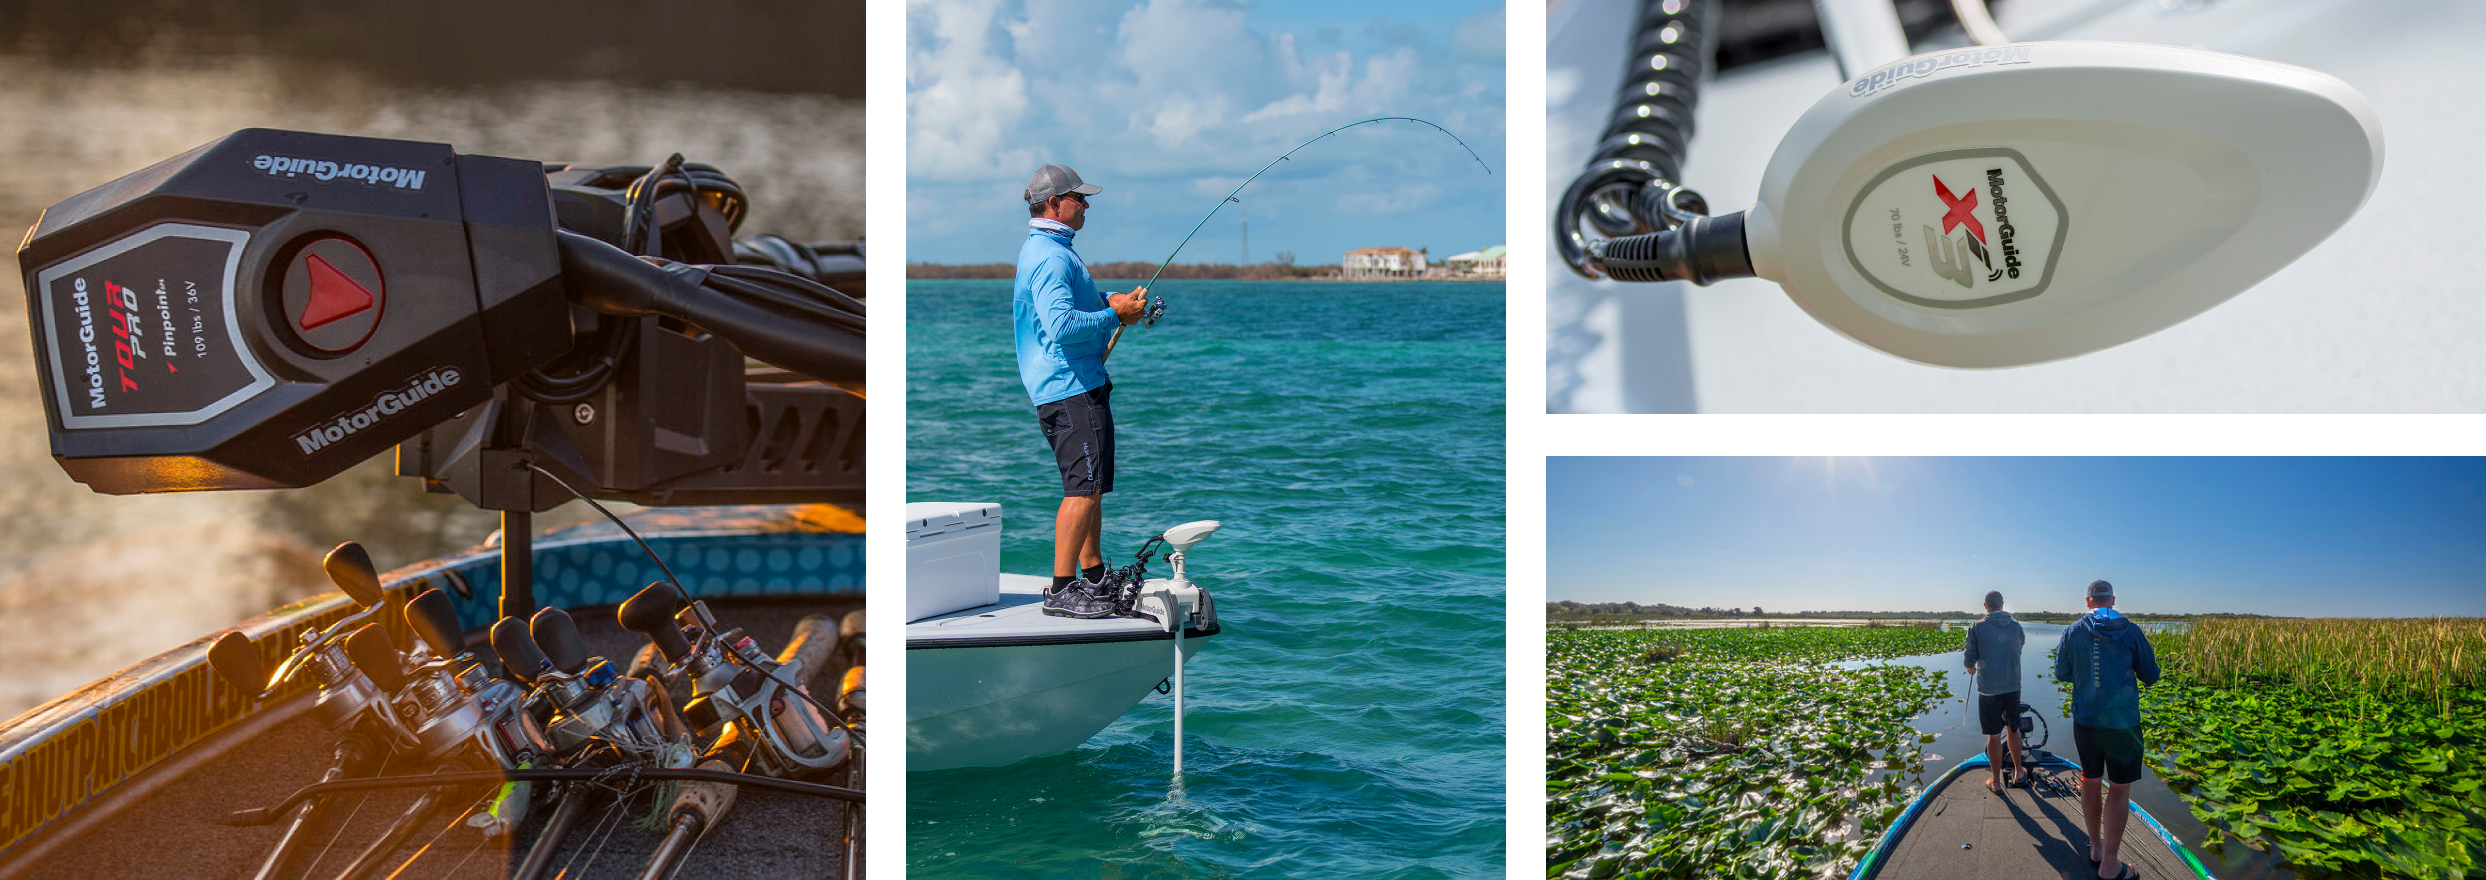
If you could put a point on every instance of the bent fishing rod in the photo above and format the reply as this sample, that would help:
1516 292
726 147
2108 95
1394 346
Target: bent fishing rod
1156 305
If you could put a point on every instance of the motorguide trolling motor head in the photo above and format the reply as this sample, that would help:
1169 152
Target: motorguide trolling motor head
1999 206
271 308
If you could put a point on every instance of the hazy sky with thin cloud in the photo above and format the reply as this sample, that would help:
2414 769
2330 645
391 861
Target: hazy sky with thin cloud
2362 537
1168 104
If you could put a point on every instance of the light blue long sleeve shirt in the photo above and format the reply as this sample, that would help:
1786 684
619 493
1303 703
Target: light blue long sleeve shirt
1060 320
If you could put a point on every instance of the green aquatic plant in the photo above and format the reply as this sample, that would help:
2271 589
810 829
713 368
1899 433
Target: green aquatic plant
2321 742
1791 644
2419 658
1743 755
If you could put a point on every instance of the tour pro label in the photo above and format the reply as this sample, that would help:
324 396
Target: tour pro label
144 332
1962 229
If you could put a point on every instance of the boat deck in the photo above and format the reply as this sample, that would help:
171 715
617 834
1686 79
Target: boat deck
176 830
1019 619
1966 830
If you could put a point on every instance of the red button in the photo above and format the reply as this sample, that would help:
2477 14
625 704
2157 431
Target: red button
333 295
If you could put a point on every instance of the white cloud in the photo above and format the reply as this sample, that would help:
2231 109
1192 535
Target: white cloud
1391 200
1479 38
964 97
1155 98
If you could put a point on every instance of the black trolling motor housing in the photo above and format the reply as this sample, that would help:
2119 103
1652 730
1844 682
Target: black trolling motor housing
271 308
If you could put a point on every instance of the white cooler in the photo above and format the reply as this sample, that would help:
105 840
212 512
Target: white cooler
953 557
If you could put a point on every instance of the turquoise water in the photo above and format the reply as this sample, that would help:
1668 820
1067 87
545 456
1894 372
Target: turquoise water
1348 723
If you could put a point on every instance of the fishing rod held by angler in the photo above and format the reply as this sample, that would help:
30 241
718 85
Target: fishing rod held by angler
1155 308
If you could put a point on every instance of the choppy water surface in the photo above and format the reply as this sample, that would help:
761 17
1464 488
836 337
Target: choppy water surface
1348 723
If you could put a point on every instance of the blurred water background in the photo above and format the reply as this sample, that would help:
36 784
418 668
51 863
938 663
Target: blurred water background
1348 722
768 91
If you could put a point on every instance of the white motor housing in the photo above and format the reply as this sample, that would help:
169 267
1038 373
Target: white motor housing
1999 206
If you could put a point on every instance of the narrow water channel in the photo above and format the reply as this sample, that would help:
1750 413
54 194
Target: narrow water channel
1953 723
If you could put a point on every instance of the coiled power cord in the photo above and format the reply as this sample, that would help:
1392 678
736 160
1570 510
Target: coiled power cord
1631 187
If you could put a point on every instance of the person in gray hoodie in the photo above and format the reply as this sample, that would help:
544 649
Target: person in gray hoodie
1993 654
2105 659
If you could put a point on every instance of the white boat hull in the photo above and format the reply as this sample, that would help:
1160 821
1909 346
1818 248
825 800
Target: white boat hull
1001 683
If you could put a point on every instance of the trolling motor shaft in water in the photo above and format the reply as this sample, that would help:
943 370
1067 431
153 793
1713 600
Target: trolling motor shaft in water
1156 305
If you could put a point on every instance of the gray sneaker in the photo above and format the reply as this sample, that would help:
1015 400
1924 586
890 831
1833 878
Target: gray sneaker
1080 598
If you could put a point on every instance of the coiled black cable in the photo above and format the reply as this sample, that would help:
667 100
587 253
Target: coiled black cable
1671 52
1632 182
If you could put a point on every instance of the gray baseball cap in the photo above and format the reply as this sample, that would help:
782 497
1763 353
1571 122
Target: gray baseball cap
1054 180
2102 588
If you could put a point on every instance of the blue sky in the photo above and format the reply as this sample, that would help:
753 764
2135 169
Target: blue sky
2321 537
1168 104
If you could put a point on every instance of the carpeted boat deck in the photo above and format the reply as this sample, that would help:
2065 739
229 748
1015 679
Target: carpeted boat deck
1966 830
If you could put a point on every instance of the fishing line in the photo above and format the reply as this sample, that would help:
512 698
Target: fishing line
625 527
1238 190
434 840
686 593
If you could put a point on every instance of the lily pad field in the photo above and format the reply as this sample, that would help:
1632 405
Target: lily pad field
2349 748
1728 752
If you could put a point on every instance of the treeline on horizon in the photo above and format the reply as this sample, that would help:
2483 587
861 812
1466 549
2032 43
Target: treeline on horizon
1136 271
1567 610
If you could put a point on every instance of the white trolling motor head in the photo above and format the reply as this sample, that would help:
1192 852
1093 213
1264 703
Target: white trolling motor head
2000 206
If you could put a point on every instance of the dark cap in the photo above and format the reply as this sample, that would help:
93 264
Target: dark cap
2101 588
1054 180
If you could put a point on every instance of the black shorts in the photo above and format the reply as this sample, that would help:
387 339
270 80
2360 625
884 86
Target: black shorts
1081 429
1995 712
2113 751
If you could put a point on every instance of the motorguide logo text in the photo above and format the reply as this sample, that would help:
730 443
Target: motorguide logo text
1931 64
1958 229
389 403
323 169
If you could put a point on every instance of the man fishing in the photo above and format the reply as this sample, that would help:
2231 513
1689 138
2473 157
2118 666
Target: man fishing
2101 655
1993 654
1061 324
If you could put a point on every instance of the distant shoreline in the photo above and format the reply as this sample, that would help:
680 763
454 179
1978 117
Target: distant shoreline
1176 272
1251 279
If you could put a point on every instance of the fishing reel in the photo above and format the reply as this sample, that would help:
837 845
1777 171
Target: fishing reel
1149 314
442 702
347 698
582 699
850 686
743 698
